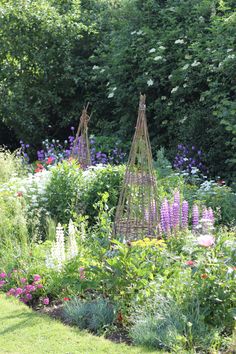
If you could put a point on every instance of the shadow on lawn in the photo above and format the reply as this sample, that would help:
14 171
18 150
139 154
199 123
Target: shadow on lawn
31 319
28 319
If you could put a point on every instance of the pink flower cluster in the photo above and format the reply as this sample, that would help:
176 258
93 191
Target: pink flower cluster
25 291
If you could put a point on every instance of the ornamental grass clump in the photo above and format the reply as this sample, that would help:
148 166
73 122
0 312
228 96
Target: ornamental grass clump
94 315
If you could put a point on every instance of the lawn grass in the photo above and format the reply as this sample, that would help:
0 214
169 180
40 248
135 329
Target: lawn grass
23 331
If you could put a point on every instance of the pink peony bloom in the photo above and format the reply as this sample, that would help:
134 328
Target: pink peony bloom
2 282
3 275
46 301
23 280
39 286
37 277
206 241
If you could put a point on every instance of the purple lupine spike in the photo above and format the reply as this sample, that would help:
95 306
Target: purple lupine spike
171 214
175 215
211 216
205 214
177 197
159 228
165 217
195 216
185 214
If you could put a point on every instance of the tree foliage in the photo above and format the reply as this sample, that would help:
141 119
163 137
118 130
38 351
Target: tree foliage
56 55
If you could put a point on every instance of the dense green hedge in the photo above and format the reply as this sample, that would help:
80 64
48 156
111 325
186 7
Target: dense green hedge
180 53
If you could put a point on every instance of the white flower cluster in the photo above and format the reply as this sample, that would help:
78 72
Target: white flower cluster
59 251
150 82
179 41
174 89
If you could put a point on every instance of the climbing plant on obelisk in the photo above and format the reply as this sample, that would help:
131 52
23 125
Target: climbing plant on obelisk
81 149
137 212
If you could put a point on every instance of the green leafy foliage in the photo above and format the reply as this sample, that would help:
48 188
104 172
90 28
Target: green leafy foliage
42 60
95 184
62 190
54 57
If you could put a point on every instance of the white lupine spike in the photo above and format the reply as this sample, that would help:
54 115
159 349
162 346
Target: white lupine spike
72 244
57 255
49 261
60 243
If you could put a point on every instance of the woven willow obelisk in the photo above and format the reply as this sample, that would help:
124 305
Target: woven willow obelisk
81 149
136 214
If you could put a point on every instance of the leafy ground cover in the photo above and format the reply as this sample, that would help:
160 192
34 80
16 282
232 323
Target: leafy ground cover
174 294
24 331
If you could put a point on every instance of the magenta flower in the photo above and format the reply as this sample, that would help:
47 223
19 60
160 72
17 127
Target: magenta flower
12 292
18 291
39 286
29 296
46 301
30 288
22 299
3 275
2 282
206 240
23 280
37 277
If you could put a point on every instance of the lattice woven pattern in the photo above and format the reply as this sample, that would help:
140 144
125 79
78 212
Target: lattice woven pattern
136 214
81 149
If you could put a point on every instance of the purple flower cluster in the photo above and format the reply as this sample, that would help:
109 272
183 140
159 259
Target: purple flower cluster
189 158
207 218
113 156
175 216
23 152
170 214
57 151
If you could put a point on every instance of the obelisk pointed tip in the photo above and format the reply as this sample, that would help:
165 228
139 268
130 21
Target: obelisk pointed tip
142 102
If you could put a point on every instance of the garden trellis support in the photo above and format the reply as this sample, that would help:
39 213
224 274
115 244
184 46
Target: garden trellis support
81 148
137 211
